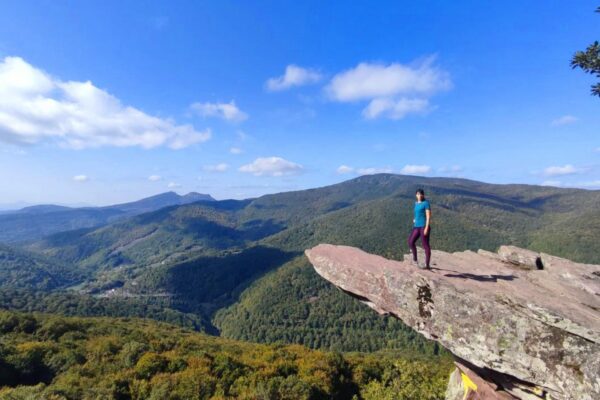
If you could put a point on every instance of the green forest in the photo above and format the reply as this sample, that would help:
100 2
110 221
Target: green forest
52 357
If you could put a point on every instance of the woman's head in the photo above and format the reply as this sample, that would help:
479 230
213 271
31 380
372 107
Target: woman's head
420 194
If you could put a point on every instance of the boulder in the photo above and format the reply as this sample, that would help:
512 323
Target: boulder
521 324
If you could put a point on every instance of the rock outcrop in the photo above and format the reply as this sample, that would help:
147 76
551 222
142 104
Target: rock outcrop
521 324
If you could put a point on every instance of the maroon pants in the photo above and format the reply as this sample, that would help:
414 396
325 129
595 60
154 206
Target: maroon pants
414 235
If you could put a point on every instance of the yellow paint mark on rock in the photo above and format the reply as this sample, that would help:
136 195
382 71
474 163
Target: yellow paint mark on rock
468 384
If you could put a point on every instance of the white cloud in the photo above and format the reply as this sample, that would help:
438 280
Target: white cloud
415 169
368 81
221 167
36 107
394 109
154 178
81 178
235 150
173 185
393 90
293 76
344 169
373 170
564 120
227 111
566 169
271 166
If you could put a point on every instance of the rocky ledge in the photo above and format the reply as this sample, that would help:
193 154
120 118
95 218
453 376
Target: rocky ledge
521 324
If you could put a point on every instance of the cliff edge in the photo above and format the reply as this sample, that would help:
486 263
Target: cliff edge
521 324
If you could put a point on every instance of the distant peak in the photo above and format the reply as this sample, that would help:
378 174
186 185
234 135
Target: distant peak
44 208
194 196
169 193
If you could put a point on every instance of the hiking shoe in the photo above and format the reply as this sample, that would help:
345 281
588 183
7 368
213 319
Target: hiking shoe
414 263
422 265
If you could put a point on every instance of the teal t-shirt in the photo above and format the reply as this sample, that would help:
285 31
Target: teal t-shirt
420 217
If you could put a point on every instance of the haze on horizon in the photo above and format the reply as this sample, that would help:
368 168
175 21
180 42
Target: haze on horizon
104 103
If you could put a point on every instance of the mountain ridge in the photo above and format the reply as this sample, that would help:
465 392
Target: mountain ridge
154 256
17 225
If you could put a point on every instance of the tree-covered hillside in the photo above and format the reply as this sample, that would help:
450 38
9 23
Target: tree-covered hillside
52 357
237 266
25 270
295 305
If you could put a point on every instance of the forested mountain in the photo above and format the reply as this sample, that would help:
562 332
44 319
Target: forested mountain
24 270
236 267
159 201
35 222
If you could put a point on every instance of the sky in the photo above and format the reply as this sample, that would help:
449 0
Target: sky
103 102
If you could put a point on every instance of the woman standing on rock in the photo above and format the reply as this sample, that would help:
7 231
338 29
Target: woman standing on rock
421 228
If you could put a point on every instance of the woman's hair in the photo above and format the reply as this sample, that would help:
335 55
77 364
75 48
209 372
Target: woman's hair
421 191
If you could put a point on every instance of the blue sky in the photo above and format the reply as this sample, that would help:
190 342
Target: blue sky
104 102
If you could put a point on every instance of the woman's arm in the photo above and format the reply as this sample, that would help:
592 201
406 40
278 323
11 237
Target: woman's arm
428 216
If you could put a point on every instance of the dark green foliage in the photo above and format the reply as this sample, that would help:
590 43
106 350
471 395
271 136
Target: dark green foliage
206 279
73 304
12 323
22 269
294 305
589 61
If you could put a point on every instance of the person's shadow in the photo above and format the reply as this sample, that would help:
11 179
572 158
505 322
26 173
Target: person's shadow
475 277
